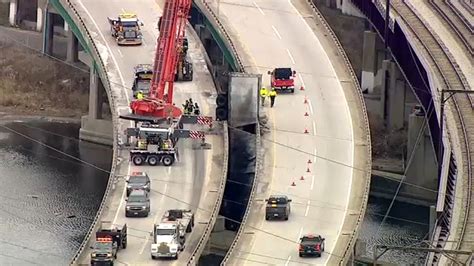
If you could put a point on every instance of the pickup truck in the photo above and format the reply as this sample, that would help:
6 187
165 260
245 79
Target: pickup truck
311 245
169 236
283 79
278 206
109 239
138 203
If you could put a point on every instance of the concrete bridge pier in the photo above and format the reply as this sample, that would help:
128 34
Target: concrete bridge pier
93 127
48 33
72 52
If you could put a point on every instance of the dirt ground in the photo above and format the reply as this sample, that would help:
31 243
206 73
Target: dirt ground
350 32
34 84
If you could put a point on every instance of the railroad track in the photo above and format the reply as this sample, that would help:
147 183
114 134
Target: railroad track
451 78
456 20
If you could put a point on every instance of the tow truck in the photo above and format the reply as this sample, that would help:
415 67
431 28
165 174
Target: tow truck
157 109
169 236
109 239
142 79
311 245
283 79
278 206
126 29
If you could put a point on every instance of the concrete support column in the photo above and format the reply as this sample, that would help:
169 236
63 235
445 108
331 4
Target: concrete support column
396 98
95 95
331 3
369 61
422 170
39 18
384 87
48 33
13 12
72 47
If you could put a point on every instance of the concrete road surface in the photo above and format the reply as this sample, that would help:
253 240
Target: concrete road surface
179 186
274 34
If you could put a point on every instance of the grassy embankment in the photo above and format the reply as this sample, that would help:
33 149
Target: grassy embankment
37 85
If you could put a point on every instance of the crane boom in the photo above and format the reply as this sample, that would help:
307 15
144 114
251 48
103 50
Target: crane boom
159 103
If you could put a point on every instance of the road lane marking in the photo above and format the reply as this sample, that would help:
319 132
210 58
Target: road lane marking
158 214
300 234
310 106
119 52
259 9
302 81
307 208
312 182
291 57
288 261
124 88
314 128
315 155
122 197
276 32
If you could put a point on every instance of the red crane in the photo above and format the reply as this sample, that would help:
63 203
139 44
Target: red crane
159 102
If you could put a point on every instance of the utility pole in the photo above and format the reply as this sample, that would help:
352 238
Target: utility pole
437 250
443 100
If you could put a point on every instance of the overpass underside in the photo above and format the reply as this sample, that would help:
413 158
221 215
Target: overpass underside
430 68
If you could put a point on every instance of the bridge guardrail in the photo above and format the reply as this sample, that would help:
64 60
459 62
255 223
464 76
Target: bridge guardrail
73 21
355 82
258 141
215 210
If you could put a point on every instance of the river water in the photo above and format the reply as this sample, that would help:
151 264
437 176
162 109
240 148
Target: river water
405 226
41 187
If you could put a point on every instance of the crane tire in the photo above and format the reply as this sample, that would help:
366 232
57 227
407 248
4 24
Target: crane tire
137 159
153 160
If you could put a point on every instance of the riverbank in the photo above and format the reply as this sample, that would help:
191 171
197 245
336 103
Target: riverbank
33 84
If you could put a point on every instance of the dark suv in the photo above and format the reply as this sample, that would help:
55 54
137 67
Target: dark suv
138 180
311 245
138 204
277 207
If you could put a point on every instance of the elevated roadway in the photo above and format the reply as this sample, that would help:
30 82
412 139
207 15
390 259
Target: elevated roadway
195 181
448 50
329 200
439 34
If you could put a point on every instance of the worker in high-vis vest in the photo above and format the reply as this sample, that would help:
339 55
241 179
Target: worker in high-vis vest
140 95
263 95
272 95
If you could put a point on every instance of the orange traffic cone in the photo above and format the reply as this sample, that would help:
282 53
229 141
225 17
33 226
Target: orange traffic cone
306 114
302 88
306 131
293 184
307 170
305 100
302 178
309 161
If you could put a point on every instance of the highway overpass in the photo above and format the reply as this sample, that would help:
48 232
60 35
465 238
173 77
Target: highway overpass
331 198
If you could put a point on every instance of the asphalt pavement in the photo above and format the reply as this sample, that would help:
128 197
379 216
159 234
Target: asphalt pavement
274 34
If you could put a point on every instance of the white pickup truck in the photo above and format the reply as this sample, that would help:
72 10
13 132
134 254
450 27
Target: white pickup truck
169 236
